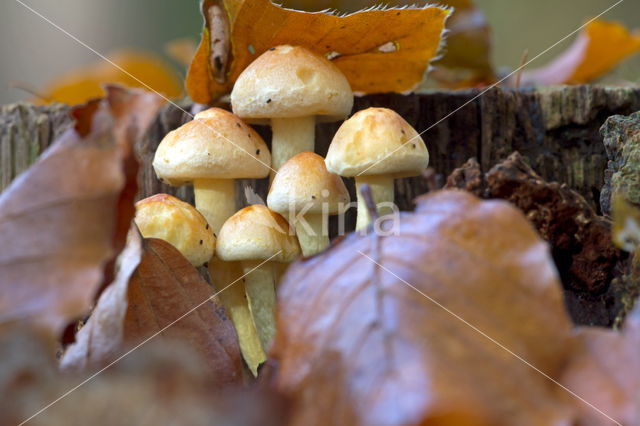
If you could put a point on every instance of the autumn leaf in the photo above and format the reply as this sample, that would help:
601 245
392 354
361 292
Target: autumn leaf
64 216
378 50
397 329
160 383
605 371
599 48
82 84
158 291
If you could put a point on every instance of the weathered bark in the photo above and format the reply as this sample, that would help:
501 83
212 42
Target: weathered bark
26 131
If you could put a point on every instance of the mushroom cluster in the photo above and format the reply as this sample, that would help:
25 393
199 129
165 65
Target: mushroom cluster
291 89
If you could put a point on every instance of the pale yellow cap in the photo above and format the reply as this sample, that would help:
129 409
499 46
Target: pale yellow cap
305 181
178 223
257 233
287 82
215 145
377 141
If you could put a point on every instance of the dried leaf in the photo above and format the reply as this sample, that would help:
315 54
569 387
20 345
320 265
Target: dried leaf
605 371
466 61
599 48
165 291
160 383
86 83
378 50
101 339
356 340
64 216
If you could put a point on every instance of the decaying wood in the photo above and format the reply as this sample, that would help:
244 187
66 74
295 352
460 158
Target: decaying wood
580 240
555 129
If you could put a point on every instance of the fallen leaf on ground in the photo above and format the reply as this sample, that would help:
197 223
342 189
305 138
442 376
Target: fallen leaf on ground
599 48
158 289
82 84
64 216
605 371
160 383
355 339
378 50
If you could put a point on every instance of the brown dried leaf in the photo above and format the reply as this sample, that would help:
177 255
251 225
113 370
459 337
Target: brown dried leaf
161 383
63 218
605 371
357 341
165 294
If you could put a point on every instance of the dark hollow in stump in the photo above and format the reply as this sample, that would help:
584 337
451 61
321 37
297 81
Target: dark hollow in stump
556 130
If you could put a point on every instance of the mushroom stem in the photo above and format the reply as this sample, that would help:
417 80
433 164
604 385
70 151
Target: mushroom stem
261 295
382 192
225 277
279 269
314 235
291 136
216 200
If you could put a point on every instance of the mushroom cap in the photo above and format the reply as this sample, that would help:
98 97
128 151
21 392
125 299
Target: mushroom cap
377 141
304 182
287 82
257 233
215 145
178 223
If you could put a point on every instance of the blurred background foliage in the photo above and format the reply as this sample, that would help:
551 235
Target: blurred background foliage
33 52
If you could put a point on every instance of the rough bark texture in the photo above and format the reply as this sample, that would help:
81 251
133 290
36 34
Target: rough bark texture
622 142
555 129
25 131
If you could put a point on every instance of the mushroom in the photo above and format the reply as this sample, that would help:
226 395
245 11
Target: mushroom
305 188
211 151
178 223
290 88
256 236
376 146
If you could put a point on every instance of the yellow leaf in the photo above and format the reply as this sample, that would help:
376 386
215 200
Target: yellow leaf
609 43
85 83
378 50
626 224
599 48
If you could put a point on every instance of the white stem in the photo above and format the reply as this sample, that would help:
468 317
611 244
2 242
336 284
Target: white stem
261 295
291 136
216 200
313 234
381 191
225 277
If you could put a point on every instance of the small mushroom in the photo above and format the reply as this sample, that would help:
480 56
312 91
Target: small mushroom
290 88
211 151
304 187
376 146
252 236
178 223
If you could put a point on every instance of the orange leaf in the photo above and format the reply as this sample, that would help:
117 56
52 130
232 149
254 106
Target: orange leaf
599 48
378 50
85 83
356 340
157 288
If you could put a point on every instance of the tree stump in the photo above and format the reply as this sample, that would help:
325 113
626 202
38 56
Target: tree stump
556 130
